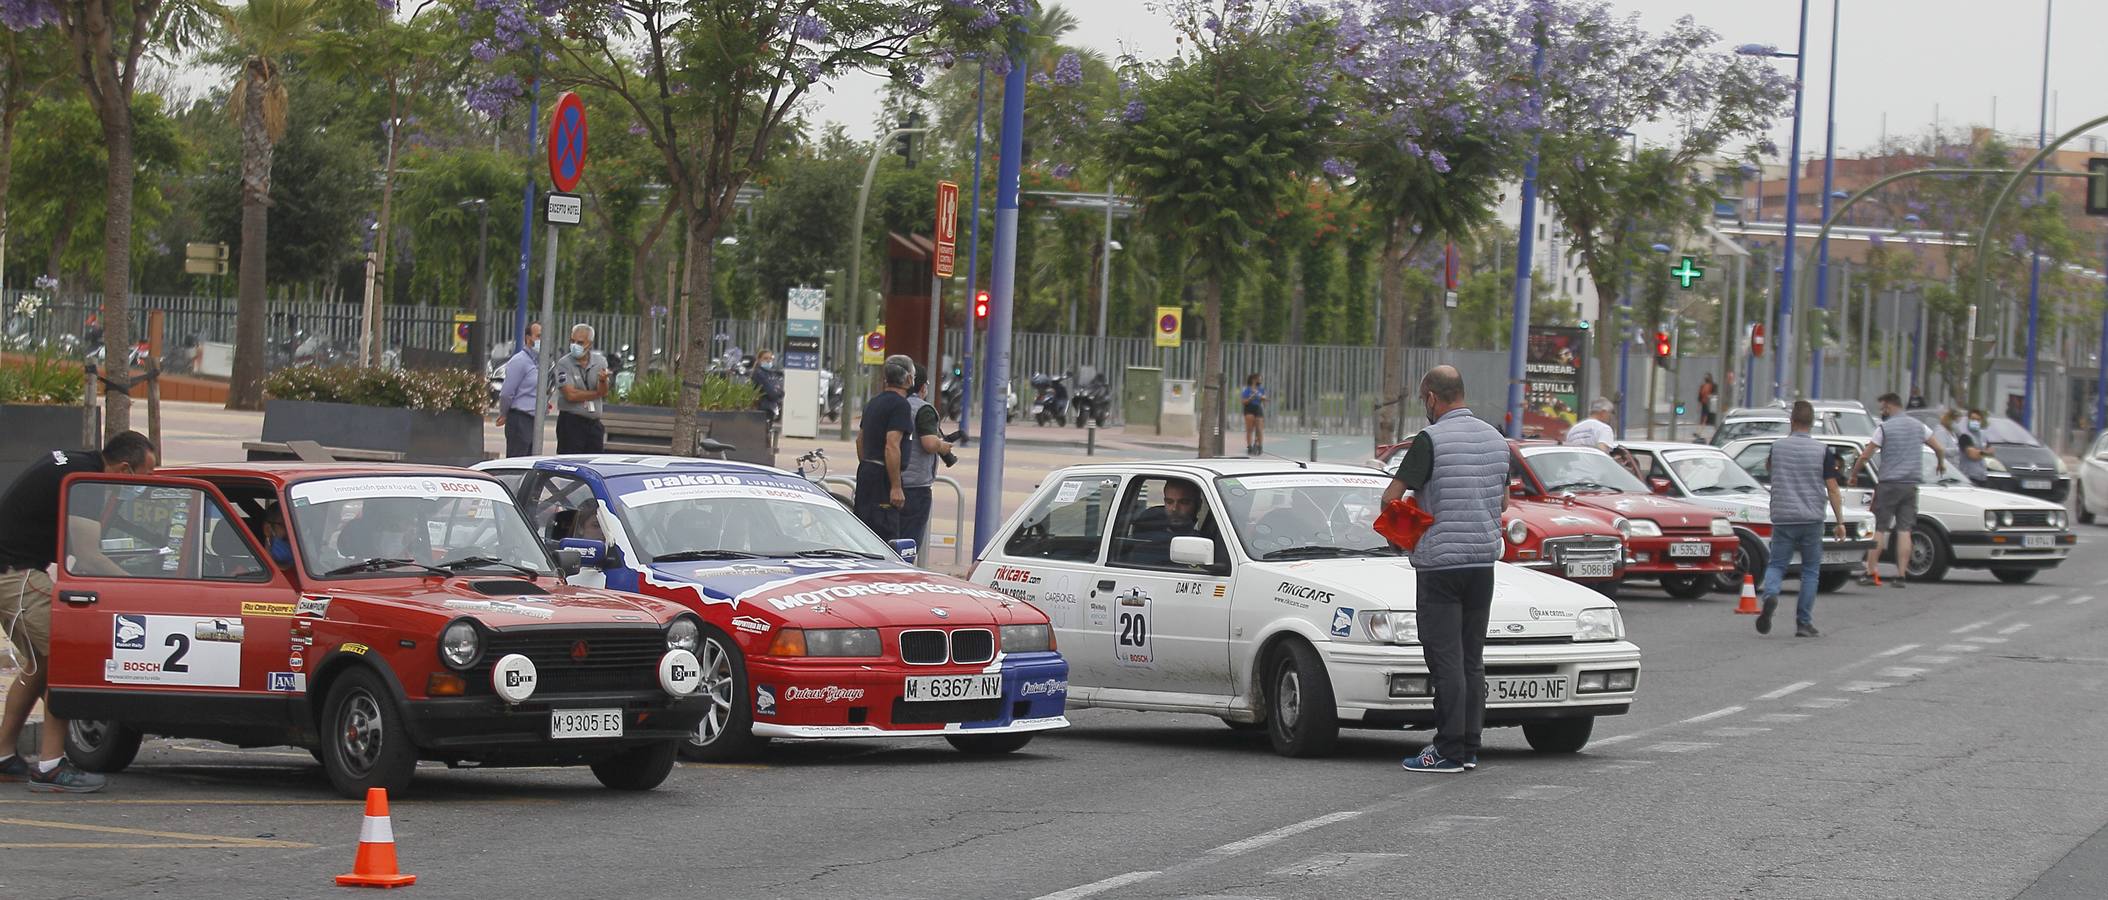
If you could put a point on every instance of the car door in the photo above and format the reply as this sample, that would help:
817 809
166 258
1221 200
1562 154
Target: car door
165 610
1171 623
554 502
1051 560
2093 478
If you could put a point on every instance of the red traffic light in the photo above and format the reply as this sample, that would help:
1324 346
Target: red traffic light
980 306
1661 345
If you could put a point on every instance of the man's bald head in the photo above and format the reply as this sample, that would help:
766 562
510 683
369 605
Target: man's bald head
1445 384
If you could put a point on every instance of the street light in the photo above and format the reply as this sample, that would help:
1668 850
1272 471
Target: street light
1793 187
1822 249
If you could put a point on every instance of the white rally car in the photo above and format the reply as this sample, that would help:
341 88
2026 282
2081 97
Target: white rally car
1707 476
1271 603
1959 525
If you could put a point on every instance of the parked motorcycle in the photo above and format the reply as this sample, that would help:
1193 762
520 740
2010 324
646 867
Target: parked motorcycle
831 391
951 397
1092 402
1052 399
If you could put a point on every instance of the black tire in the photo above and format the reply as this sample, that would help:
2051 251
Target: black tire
1559 735
1929 558
2014 576
100 746
1301 719
365 744
726 733
2085 515
988 744
638 768
1687 587
1039 419
1831 581
1750 557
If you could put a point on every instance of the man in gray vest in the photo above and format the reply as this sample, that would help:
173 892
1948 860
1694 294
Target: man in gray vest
1804 474
1902 467
581 384
1458 469
918 473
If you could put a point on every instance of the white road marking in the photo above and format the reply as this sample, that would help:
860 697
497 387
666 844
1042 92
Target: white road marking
1897 651
1735 732
1961 648
1678 746
1927 660
1100 887
1543 792
2082 598
1332 865
1613 739
1825 702
1283 833
1972 626
1787 690
1865 687
1986 639
2014 628
1899 672
1783 718
2045 599
1442 825
1715 714
2101 583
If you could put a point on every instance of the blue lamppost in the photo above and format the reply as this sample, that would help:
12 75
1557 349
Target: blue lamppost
2034 272
1793 191
1822 249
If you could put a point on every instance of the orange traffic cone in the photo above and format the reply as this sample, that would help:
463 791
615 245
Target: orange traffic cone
1748 607
375 864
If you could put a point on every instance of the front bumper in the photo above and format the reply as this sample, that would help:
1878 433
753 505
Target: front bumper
1361 681
818 698
2007 549
2059 486
1651 556
1844 556
1617 571
490 730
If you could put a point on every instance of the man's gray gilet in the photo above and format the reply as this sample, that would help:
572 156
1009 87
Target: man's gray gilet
1464 492
919 468
1901 460
1798 494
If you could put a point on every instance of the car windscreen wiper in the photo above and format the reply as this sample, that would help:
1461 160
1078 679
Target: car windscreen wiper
836 553
487 562
377 564
1313 551
696 555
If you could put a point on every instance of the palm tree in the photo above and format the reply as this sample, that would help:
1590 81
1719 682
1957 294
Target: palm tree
262 33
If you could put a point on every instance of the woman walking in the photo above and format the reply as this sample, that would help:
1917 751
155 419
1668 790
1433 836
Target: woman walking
1254 397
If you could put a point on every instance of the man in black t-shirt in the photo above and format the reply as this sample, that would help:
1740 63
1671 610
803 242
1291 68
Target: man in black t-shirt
29 545
881 448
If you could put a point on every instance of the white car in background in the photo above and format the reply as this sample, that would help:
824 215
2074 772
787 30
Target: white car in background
1707 476
1959 525
2093 481
1280 608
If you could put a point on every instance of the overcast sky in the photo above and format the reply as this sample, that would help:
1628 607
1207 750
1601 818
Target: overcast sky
1901 59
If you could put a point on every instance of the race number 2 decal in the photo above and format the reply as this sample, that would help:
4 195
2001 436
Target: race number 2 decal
175 650
1132 626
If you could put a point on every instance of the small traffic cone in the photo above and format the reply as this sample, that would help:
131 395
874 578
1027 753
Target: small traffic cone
1748 607
375 864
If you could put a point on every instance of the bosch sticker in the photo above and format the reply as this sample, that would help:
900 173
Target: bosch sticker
175 650
1132 645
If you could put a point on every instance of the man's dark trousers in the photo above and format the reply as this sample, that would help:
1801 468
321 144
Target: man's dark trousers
874 503
915 517
519 433
1453 608
579 434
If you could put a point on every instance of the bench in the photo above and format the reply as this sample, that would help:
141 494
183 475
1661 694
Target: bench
309 451
633 433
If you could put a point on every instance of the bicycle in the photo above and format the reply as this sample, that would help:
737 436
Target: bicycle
816 457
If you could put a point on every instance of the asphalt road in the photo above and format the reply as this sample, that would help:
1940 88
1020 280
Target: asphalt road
1940 741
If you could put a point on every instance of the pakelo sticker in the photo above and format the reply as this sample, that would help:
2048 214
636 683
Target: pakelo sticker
167 650
1343 622
274 610
1132 645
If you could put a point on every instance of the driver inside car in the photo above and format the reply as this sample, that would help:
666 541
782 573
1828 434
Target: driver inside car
1179 516
385 529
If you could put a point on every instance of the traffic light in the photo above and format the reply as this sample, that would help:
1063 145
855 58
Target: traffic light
1661 349
980 308
904 145
1584 324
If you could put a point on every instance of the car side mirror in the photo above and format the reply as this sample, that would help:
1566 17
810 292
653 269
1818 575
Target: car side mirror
568 561
590 553
1515 486
907 549
1658 484
1188 550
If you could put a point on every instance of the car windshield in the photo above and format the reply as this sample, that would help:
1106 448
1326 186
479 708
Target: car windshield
747 514
1581 470
1999 430
1306 515
392 524
1704 474
1850 421
1926 458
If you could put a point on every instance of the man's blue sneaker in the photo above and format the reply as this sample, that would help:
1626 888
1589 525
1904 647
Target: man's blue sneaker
1430 761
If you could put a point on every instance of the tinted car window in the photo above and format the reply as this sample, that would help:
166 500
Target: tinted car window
171 532
1068 523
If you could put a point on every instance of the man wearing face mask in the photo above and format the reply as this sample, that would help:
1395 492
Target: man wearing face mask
769 382
275 540
1970 447
516 395
581 384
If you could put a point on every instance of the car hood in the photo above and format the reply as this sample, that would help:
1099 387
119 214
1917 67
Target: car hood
1556 519
495 602
1755 508
1986 499
1665 512
1526 604
837 593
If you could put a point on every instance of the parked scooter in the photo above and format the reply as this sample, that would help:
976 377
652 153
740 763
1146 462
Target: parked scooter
1093 400
952 398
831 390
1052 399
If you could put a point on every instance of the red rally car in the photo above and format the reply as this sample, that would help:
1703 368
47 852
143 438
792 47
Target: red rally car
1682 544
1572 540
375 615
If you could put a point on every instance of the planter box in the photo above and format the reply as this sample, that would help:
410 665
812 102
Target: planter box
28 432
747 430
436 438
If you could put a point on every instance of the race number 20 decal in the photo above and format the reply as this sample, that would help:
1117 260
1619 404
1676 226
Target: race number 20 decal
175 650
1132 625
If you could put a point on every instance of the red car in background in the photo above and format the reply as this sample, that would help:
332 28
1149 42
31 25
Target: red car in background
1681 544
1572 540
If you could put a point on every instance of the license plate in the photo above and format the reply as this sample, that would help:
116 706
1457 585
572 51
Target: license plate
1833 557
2038 541
1595 568
585 723
953 687
1686 550
2034 484
1515 690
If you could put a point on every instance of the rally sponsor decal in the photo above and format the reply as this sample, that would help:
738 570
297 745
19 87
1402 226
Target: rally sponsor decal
273 610
751 624
1536 613
909 585
354 648
312 606
1046 688
1016 574
670 488
429 487
765 700
671 579
174 650
1133 641
1307 479
751 570
287 682
1101 613
1302 596
503 606
1343 622
827 694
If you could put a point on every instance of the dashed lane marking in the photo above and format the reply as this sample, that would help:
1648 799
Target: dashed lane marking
1099 887
169 840
1715 714
1972 626
1961 648
1787 690
1928 660
1613 739
2082 598
1679 746
2045 599
2014 628
1782 718
1900 672
2101 583
1333 865
1443 825
1865 687
1824 702
1543 792
1282 833
1897 651
1986 639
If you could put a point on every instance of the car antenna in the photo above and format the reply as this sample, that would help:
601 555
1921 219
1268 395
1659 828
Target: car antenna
1299 463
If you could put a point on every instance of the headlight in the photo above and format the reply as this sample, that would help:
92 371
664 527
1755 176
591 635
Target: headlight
1517 532
684 634
1600 624
2059 519
1391 626
841 642
1994 464
1645 528
1990 520
2005 518
460 644
2061 470
1027 638
1623 525
1722 529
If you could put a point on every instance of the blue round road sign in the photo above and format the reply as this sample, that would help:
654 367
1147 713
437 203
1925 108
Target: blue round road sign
567 142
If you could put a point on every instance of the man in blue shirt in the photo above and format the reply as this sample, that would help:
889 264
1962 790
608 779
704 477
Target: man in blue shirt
516 395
